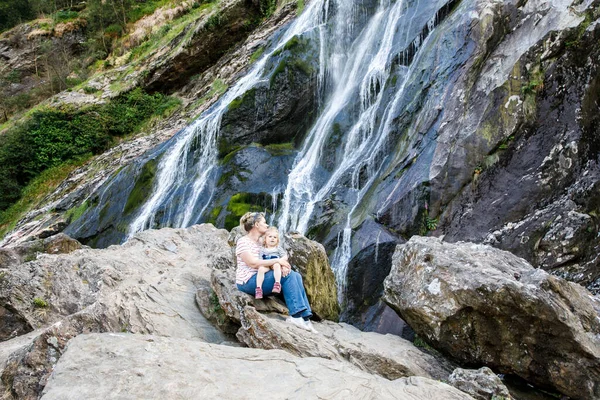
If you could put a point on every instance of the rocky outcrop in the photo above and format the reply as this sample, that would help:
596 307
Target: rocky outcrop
484 306
538 196
278 110
310 259
482 384
99 365
56 244
148 285
262 325
203 44
154 284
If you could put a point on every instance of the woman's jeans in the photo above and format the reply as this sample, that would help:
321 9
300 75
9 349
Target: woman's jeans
291 288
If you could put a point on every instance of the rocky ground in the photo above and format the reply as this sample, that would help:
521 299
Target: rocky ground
160 315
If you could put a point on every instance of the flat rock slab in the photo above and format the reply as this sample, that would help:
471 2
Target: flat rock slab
127 366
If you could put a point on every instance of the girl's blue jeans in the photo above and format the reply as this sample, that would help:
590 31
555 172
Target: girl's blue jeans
292 289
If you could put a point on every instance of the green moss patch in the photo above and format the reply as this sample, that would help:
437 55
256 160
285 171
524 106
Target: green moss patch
246 99
280 149
142 188
241 203
76 212
214 214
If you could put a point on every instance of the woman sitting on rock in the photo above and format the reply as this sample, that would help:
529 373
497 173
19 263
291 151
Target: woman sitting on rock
248 261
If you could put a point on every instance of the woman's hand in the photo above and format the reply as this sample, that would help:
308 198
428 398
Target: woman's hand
283 261
285 270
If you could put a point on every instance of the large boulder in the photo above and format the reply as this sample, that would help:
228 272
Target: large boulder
147 286
261 324
311 261
482 383
486 306
100 366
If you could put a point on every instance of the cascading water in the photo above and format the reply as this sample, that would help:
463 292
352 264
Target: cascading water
361 83
173 167
395 32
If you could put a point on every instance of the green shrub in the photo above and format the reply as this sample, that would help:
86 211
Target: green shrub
65 15
53 136
13 76
40 303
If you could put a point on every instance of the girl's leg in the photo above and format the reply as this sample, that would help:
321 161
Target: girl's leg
277 272
260 276
277 276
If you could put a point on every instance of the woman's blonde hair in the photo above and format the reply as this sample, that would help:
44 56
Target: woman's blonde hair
249 219
275 230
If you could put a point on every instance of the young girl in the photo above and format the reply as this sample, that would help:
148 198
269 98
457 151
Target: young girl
270 250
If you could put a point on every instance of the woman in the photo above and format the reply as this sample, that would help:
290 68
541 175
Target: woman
248 261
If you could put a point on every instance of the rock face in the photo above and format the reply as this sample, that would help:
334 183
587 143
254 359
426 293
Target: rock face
313 264
203 44
482 384
98 366
148 285
548 215
153 285
485 306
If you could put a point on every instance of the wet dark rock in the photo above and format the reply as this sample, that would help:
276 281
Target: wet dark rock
254 170
382 319
539 200
465 301
281 109
367 270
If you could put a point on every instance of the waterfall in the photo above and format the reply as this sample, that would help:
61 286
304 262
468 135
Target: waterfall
362 82
173 168
396 32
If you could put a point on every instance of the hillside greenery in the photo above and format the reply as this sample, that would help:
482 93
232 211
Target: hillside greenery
54 139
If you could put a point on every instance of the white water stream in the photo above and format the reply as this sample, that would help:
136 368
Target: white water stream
356 64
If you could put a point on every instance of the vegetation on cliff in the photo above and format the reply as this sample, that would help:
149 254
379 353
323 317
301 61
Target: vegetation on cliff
55 138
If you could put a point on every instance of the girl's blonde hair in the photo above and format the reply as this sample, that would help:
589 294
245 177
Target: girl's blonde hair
249 219
275 230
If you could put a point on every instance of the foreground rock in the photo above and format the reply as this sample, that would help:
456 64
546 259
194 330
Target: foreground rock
262 325
310 259
486 306
482 384
100 366
148 285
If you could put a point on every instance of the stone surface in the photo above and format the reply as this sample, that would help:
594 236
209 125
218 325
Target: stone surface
147 285
481 384
262 325
310 259
100 366
28 251
484 306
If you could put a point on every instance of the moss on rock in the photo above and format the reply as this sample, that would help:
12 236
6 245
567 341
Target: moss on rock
241 203
142 188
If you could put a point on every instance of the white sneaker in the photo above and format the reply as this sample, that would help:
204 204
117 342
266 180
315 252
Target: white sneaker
309 326
299 322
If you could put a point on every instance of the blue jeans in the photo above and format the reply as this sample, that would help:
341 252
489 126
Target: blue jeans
292 289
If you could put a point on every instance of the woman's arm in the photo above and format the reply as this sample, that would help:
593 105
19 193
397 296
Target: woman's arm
253 261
